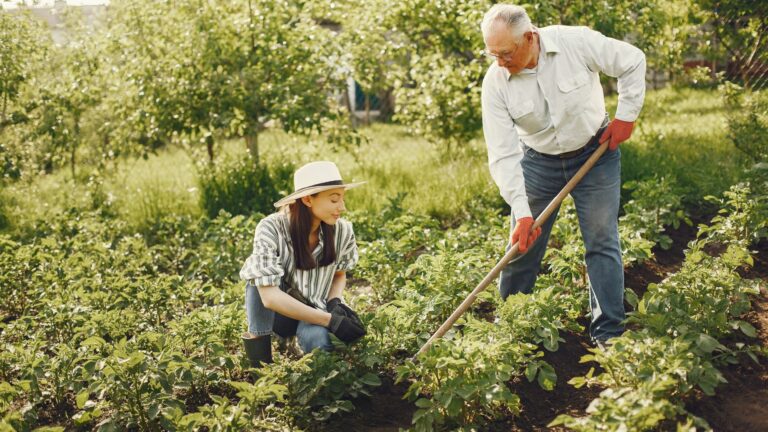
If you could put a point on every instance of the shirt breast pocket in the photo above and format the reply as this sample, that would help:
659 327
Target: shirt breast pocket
521 110
575 91
524 116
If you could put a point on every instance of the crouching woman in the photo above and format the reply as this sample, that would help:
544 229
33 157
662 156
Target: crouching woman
296 275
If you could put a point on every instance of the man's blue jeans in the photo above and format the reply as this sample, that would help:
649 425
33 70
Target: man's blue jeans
597 205
260 320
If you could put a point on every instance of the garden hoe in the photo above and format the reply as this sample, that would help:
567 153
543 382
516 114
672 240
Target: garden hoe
513 251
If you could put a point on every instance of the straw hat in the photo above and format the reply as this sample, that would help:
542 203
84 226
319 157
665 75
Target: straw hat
315 177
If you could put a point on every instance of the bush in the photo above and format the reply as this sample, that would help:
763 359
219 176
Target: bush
701 77
4 221
747 117
242 187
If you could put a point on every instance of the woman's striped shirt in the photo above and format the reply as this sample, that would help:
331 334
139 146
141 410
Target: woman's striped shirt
272 261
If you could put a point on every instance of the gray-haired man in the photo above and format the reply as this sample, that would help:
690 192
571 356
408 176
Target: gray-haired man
543 116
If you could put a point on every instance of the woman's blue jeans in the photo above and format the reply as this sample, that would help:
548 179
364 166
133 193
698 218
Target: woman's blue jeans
260 320
597 205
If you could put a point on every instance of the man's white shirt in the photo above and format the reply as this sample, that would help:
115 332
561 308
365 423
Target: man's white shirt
558 106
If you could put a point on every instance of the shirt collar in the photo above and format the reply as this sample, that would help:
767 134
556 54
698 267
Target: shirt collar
548 41
548 45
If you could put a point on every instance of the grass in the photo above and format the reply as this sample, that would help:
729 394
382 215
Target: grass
140 192
145 190
681 132
393 161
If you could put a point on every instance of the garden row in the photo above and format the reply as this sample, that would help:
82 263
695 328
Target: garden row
106 329
464 379
680 327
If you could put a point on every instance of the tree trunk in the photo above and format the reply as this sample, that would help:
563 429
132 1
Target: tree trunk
714 60
367 109
73 146
744 72
105 157
209 147
72 160
386 105
252 142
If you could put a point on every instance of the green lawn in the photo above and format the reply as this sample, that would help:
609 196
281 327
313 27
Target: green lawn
680 133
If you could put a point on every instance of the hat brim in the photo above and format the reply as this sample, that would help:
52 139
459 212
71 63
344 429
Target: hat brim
313 190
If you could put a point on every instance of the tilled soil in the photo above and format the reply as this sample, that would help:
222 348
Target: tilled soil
740 405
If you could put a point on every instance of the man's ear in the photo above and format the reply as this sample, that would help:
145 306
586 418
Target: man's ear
528 36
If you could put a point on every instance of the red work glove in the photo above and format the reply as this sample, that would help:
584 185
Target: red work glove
617 131
523 233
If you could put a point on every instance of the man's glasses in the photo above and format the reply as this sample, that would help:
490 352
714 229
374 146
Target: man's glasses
503 56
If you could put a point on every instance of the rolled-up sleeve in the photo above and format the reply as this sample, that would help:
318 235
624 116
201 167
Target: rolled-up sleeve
620 60
503 143
347 255
264 266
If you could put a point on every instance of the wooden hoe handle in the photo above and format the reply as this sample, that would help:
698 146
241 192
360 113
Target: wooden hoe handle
555 203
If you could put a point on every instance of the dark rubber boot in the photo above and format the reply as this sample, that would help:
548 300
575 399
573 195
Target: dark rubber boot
258 349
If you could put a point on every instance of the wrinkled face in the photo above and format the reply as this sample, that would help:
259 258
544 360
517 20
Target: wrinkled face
327 206
511 54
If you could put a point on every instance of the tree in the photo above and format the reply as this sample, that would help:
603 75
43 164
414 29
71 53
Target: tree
740 30
23 44
24 47
661 28
435 51
198 68
67 88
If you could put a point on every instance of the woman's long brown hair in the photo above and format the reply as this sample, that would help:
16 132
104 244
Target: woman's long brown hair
299 228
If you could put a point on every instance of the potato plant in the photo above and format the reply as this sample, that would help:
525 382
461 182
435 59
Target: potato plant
650 371
466 381
118 329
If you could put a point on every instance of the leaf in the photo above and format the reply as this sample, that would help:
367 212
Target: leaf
631 297
547 376
641 306
81 399
418 415
108 425
153 410
747 328
371 379
707 343
578 381
560 420
454 407
93 341
530 371
82 417
423 403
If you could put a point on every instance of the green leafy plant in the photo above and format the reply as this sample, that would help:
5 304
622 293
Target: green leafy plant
655 205
241 187
465 380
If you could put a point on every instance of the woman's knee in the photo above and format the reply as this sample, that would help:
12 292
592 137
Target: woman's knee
259 317
312 337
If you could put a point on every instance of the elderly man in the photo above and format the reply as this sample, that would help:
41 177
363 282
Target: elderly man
543 116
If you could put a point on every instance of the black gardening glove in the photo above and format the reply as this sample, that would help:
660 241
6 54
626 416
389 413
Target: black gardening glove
345 328
335 303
